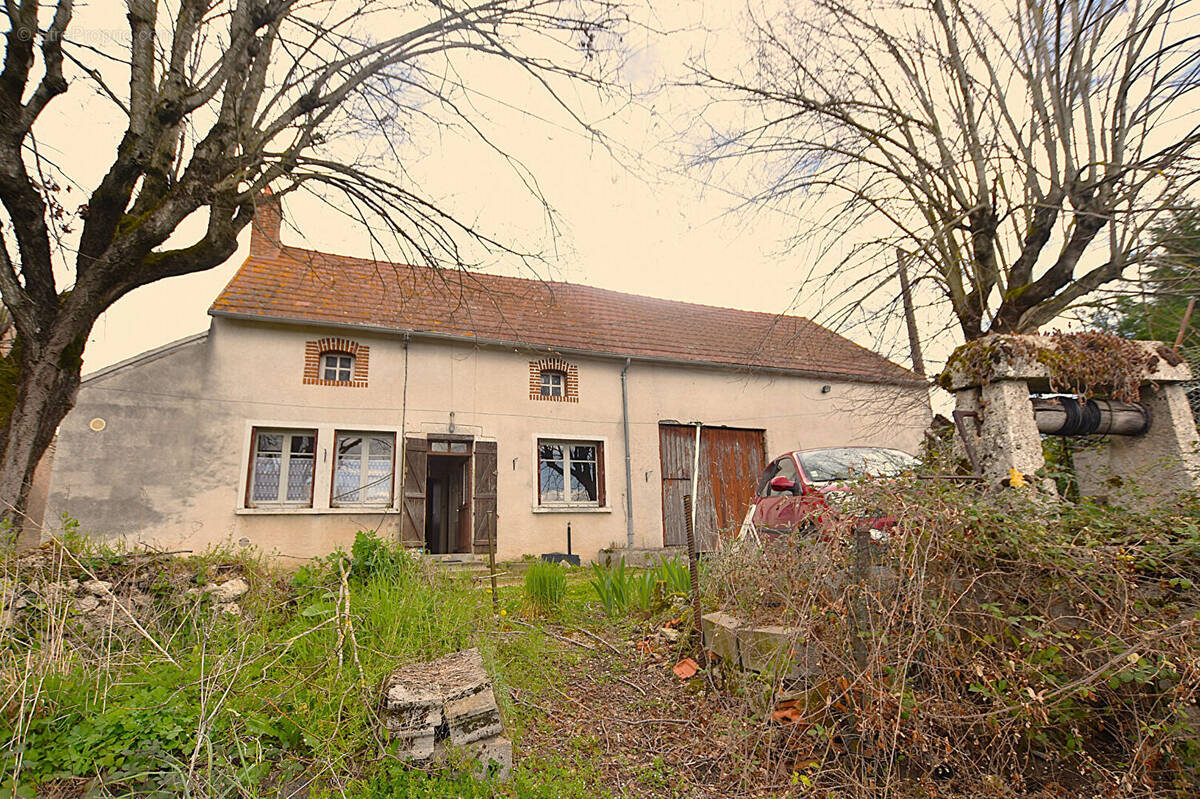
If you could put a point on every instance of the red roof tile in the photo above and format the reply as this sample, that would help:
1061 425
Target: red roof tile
303 285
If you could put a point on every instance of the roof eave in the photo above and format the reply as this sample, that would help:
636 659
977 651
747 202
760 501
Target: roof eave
436 336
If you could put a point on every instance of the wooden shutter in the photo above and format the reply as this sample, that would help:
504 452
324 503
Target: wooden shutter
601 493
416 470
485 494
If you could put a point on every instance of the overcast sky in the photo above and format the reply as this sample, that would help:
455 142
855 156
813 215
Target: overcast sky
632 216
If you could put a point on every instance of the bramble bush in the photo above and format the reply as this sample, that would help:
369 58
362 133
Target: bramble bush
998 638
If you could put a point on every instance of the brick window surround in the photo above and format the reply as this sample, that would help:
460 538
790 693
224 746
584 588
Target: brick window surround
570 391
313 350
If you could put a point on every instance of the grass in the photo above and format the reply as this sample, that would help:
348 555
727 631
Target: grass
545 586
287 691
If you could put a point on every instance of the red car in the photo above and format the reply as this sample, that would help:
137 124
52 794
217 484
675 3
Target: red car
795 490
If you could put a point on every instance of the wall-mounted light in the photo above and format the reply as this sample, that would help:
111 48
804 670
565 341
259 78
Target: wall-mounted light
826 389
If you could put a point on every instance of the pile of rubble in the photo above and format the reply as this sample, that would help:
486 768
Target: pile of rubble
95 602
447 701
224 595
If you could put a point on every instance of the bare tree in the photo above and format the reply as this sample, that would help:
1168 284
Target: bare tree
223 99
1016 152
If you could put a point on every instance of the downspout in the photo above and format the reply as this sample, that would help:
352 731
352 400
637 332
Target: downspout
404 395
628 462
402 446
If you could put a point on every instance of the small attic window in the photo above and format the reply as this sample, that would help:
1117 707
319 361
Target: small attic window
554 380
554 383
335 361
337 367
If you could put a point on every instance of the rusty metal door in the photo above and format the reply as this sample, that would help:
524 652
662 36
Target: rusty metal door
731 461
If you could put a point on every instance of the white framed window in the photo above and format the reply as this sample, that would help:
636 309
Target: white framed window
570 472
554 383
337 366
363 469
281 468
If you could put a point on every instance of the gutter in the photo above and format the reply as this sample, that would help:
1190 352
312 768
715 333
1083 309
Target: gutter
628 466
913 382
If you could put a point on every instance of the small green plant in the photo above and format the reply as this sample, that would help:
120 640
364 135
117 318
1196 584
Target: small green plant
674 574
545 586
612 586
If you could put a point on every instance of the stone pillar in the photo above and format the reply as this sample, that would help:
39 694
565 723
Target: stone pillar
1009 437
1159 464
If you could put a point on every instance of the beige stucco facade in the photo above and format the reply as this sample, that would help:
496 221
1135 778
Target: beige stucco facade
168 464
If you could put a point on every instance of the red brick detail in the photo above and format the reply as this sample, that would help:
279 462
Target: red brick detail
554 365
313 350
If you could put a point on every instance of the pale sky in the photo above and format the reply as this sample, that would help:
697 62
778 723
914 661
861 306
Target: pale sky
633 219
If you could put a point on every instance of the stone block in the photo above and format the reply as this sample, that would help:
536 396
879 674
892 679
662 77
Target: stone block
447 702
494 757
720 635
408 710
420 746
1009 438
473 717
775 650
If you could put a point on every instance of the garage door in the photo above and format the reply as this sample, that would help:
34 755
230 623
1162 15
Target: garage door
731 461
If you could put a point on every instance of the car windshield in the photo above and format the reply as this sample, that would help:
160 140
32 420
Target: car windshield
848 463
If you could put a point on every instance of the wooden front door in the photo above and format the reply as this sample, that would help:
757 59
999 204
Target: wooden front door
731 461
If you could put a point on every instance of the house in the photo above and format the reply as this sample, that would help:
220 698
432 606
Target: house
333 394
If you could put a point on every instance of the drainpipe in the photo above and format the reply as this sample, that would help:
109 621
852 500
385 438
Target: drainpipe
628 466
696 474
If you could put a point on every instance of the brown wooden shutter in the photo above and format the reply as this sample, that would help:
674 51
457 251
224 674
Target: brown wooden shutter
416 470
485 493
601 494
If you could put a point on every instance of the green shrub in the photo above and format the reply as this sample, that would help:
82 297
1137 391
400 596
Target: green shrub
371 556
545 586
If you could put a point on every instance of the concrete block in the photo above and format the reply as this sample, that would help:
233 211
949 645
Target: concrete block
409 709
720 635
494 757
448 702
474 717
776 650
418 747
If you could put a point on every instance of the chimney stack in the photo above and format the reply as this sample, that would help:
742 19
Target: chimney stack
264 228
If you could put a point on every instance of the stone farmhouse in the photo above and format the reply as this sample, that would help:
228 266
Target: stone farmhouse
333 394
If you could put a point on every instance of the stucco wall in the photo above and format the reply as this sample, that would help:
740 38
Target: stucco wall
170 465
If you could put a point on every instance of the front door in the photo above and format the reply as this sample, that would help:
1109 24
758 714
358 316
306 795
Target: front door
449 494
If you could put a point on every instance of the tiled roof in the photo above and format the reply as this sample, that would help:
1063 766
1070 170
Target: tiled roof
295 284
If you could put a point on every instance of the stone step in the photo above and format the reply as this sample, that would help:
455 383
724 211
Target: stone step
455 557
474 567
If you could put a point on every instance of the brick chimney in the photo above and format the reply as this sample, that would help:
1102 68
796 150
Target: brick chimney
264 229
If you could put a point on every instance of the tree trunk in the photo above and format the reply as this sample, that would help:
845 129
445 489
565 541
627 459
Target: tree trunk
47 385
